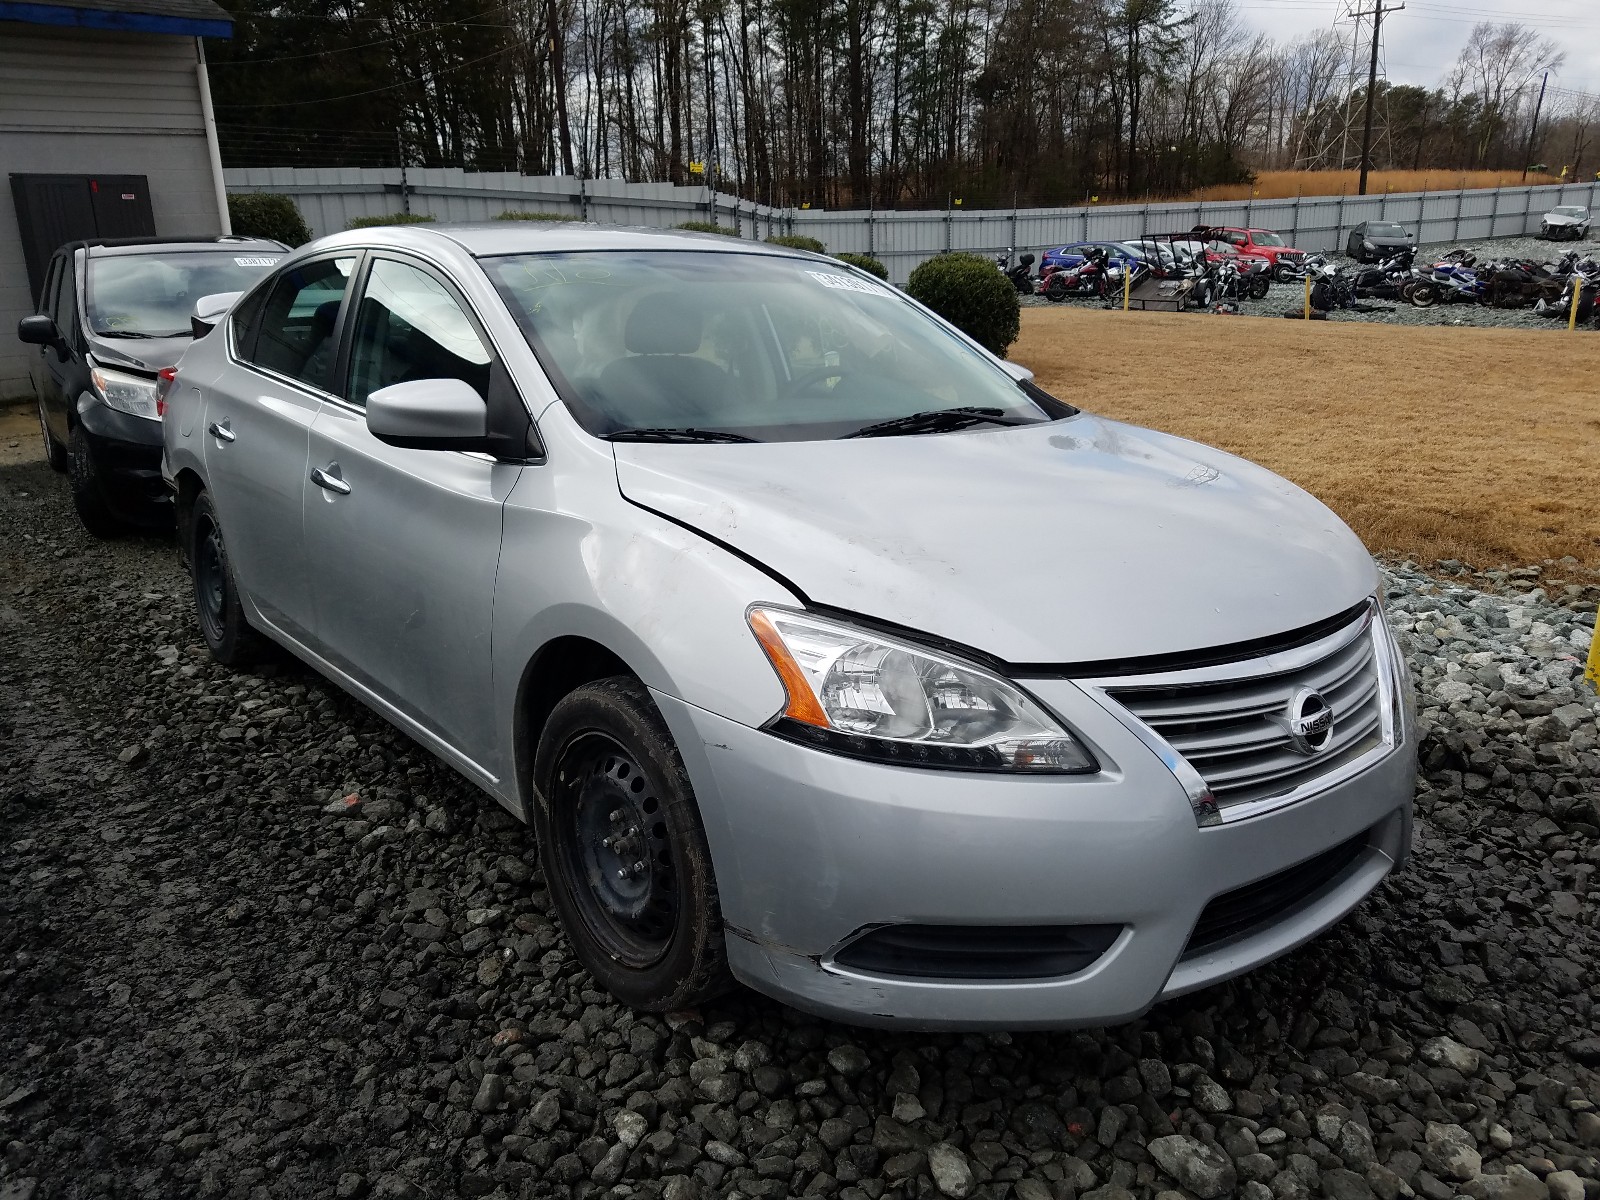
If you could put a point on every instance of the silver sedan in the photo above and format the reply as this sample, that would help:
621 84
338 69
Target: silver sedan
822 649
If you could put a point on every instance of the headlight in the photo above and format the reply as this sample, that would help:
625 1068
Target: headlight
871 696
132 394
1404 697
1368 246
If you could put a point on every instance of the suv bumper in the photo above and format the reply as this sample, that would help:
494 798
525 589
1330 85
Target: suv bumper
812 849
127 451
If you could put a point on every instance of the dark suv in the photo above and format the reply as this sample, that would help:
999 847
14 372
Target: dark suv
112 316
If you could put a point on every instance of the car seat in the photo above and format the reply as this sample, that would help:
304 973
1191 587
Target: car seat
661 380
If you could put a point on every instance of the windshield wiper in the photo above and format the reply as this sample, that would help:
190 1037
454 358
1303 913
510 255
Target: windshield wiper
676 435
134 333
938 420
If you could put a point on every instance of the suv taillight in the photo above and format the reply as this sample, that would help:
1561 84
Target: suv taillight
165 379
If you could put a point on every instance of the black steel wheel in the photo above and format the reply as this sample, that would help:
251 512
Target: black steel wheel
54 452
219 613
88 496
623 849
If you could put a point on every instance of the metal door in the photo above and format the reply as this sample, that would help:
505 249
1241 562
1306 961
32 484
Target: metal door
55 209
404 544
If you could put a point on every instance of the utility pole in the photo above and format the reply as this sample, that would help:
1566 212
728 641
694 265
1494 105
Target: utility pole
1534 128
1378 12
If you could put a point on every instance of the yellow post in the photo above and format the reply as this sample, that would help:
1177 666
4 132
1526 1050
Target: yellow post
1308 296
1592 674
1127 284
1577 291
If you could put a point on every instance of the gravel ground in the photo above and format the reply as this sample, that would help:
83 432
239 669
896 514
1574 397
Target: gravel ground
1290 297
254 943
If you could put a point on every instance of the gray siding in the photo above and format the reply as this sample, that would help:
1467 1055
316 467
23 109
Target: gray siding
84 102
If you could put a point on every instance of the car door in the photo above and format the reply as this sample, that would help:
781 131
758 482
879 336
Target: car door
257 419
39 356
60 375
404 544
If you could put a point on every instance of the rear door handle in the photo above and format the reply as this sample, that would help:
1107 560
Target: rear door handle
221 432
331 482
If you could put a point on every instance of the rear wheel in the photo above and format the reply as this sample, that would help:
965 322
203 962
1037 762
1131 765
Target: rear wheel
1424 294
216 595
54 452
624 852
88 497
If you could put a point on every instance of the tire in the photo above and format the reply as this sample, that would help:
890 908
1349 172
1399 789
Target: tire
1282 272
54 452
88 497
1259 287
218 612
648 930
1424 294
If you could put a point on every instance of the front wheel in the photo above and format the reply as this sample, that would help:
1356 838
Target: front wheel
624 852
88 496
1424 294
1283 273
1259 287
54 452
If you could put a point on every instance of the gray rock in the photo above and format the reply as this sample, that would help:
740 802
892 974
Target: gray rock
1340 1184
1518 1183
1564 1185
848 1060
1204 1169
1452 1151
1447 1052
491 1091
951 1172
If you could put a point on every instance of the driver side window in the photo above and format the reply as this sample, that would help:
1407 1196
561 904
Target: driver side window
409 327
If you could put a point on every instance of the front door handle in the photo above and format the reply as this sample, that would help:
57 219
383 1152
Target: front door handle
221 432
331 482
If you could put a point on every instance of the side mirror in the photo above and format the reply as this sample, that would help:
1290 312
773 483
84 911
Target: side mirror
429 414
209 311
40 330
1017 371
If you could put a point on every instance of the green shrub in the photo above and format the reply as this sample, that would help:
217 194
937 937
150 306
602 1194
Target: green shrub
707 227
512 214
797 241
390 219
267 215
967 291
867 263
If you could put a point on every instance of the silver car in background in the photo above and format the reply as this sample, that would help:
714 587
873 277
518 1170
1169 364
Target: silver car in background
1565 221
823 650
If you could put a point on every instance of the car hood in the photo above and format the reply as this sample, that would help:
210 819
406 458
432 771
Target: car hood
1068 541
1385 240
148 355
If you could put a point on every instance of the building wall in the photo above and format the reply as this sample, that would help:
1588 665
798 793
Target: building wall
80 102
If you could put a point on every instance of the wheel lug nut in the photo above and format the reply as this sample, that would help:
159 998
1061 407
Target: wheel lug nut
638 866
607 842
621 874
616 814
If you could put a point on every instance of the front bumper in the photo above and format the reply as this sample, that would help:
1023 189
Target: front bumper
811 848
127 452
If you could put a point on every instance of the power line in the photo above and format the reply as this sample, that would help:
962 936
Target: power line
389 87
464 24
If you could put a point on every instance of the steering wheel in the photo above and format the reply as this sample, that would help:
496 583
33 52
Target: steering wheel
816 375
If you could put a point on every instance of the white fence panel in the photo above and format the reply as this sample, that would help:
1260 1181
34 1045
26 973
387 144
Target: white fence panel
331 197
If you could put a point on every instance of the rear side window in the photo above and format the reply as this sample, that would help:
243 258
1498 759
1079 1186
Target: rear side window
296 334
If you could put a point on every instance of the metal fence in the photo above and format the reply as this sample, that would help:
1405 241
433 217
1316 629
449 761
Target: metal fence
331 197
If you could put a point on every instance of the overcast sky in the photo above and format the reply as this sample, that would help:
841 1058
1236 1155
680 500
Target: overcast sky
1421 43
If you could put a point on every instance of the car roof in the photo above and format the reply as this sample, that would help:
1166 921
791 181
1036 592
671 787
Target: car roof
119 247
491 238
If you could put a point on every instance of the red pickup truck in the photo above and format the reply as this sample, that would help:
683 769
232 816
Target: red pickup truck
1262 243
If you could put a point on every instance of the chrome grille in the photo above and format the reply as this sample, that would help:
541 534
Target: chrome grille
1231 724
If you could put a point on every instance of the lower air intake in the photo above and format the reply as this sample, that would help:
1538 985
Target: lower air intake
978 951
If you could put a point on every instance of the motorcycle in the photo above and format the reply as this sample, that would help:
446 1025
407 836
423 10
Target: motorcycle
1021 275
1390 279
1085 279
1584 275
1450 279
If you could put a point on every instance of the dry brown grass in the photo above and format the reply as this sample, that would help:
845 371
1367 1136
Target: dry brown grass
1476 444
1274 185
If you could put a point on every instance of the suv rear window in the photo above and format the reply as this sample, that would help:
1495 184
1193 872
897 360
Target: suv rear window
152 295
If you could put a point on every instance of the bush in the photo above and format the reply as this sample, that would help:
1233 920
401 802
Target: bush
967 291
707 227
867 263
390 219
268 215
512 214
797 241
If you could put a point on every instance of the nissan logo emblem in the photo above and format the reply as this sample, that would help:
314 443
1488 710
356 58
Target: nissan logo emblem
1309 722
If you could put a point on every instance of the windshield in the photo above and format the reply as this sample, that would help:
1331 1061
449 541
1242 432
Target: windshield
152 295
1262 238
769 348
1571 211
1385 231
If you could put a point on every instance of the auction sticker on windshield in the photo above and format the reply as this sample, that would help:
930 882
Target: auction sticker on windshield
844 283
255 262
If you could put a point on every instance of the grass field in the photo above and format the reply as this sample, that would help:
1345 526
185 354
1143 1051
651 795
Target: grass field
1475 444
1274 185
